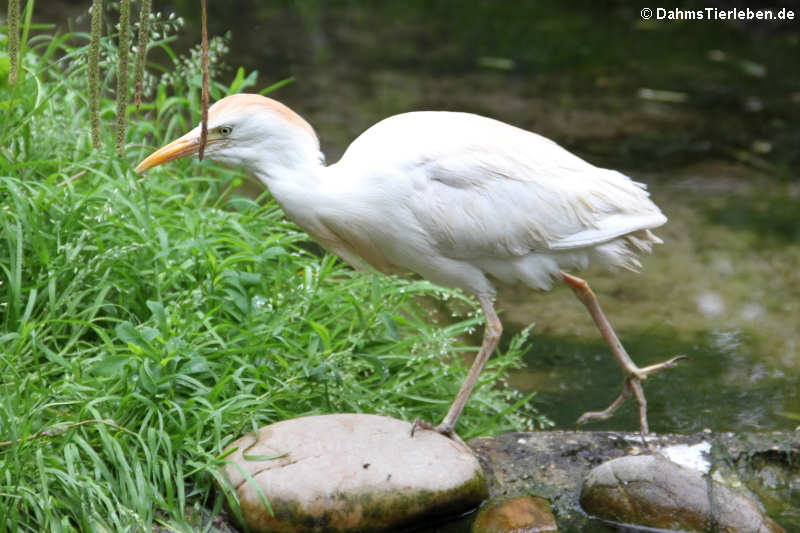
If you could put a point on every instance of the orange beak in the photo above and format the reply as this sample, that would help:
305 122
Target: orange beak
187 145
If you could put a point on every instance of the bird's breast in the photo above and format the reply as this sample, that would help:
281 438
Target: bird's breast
358 248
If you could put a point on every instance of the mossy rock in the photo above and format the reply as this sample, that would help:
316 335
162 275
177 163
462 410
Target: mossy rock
349 473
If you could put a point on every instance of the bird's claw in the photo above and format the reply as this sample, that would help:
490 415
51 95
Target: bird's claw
654 369
421 424
441 429
588 416
677 359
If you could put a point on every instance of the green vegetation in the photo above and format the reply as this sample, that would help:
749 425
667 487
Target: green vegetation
145 324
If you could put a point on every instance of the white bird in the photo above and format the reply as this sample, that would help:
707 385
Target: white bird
462 200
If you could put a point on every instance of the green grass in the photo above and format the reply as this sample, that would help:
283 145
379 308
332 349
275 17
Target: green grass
145 324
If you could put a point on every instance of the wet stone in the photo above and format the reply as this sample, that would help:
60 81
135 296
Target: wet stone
351 472
521 514
651 491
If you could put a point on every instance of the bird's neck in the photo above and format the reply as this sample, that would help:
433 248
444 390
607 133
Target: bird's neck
294 179
302 174
283 161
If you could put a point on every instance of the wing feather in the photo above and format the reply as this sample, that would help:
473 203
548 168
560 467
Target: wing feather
483 188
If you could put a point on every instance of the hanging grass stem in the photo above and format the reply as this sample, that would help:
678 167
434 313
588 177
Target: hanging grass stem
204 124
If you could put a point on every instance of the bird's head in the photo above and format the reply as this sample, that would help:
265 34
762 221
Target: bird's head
247 130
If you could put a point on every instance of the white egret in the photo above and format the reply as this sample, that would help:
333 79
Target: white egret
462 200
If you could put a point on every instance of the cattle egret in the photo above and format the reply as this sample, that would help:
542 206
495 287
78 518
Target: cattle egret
462 200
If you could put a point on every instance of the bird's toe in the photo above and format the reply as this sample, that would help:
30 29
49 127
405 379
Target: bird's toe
442 429
421 424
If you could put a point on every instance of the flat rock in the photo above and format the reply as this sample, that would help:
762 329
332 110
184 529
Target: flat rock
649 490
351 472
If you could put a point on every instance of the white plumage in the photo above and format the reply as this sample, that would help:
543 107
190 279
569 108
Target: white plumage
486 195
459 199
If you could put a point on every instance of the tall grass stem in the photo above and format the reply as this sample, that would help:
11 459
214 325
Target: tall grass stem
94 70
141 51
123 55
13 41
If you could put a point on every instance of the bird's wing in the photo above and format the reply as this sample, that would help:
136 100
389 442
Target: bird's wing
484 188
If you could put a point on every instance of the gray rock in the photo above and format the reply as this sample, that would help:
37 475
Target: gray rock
651 491
550 464
769 466
350 472
553 465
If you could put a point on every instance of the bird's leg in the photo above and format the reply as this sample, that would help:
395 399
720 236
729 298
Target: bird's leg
634 374
491 336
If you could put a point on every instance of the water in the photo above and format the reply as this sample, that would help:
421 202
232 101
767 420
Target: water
723 387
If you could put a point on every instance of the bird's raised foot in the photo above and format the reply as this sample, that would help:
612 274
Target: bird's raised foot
632 386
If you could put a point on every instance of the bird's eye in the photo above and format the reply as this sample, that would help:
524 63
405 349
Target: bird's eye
224 130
